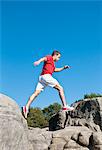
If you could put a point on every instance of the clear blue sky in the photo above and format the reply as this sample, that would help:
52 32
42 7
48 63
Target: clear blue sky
32 29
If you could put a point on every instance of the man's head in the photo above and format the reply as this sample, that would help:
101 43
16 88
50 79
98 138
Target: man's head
56 55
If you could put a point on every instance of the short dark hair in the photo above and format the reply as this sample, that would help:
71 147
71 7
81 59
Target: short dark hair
55 53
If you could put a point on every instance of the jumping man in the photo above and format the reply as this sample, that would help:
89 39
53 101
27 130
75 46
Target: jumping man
46 79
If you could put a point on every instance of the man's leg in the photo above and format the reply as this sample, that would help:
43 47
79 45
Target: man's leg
55 84
32 98
52 82
26 108
40 87
61 94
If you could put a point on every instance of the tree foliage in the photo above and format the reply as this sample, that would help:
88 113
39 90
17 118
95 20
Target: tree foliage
36 118
92 95
40 118
51 110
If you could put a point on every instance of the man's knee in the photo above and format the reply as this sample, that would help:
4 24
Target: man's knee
59 88
37 92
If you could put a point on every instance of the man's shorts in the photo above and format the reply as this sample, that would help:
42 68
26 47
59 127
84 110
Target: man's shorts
46 80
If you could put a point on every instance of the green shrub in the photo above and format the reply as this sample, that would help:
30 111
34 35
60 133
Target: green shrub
40 118
92 95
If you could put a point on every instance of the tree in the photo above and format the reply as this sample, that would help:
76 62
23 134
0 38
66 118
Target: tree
36 118
92 95
40 118
51 110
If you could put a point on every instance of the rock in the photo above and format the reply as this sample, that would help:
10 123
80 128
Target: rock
57 121
14 132
97 138
77 131
87 113
83 138
71 144
91 110
75 137
40 139
68 138
96 141
92 126
81 148
98 147
13 127
57 144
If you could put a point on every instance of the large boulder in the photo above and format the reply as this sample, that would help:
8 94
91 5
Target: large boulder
13 127
14 131
88 112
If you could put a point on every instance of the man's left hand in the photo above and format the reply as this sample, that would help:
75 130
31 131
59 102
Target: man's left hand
66 67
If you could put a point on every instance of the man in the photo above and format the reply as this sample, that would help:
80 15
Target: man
46 79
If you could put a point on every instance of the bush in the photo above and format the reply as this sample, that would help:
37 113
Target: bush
36 118
92 95
51 110
40 118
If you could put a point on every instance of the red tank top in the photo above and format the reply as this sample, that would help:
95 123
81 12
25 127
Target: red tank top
49 66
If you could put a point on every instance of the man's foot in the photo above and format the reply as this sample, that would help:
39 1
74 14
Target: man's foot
68 108
25 111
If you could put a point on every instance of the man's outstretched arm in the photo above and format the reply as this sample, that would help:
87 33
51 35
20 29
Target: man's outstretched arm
62 68
39 61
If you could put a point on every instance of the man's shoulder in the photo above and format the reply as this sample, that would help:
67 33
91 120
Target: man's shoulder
49 57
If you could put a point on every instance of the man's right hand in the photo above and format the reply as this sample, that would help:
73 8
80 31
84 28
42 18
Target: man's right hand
36 63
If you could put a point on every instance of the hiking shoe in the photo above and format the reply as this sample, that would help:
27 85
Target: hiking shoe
24 112
68 108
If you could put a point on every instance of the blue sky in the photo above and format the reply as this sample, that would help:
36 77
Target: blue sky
32 29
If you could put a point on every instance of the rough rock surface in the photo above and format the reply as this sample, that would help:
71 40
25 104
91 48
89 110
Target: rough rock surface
71 138
14 131
77 132
39 139
13 127
88 112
